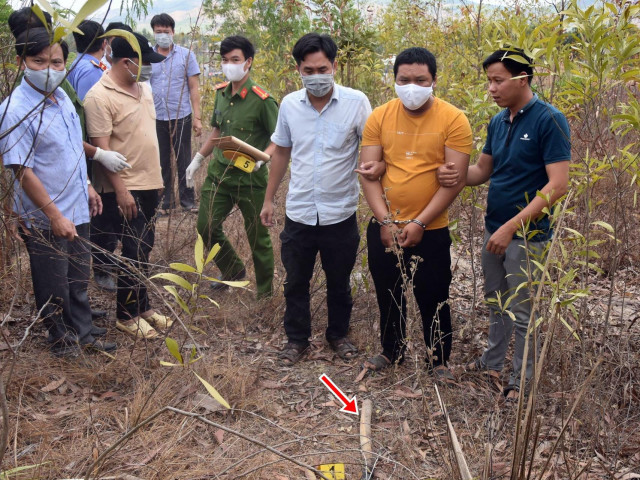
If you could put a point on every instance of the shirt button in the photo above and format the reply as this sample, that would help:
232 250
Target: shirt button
231 104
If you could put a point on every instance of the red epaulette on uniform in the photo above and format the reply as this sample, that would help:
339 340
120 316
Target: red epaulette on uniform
260 92
220 85
100 65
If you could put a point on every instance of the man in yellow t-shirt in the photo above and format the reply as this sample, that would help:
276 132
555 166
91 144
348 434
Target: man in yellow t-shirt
413 134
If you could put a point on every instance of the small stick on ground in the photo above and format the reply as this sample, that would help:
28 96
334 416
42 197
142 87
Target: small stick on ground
465 474
365 437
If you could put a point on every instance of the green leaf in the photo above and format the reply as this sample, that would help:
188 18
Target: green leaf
199 253
212 253
129 37
213 392
38 11
604 225
169 364
173 291
182 267
177 279
174 349
58 34
236 284
87 9
210 299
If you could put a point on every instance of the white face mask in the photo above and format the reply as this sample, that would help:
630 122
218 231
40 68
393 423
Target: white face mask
46 80
234 71
413 96
319 84
164 40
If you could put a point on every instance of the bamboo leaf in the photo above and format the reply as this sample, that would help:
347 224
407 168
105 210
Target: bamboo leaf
212 253
199 253
38 11
173 291
182 267
86 10
169 364
237 284
129 37
213 392
174 349
177 279
604 225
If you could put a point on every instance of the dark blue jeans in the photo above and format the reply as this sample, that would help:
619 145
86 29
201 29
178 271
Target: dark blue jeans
60 275
338 246
431 282
137 236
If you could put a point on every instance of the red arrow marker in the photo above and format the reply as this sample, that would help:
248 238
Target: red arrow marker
350 406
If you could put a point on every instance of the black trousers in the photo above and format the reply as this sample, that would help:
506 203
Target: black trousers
137 236
103 239
431 282
175 136
338 246
60 275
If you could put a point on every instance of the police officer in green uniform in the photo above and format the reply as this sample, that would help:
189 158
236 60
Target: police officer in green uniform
244 110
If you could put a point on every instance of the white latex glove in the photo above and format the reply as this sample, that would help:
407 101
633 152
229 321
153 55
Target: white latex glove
259 163
193 168
112 161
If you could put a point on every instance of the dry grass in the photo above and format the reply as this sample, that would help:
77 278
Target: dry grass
64 426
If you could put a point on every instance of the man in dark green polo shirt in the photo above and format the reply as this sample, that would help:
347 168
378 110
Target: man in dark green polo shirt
247 112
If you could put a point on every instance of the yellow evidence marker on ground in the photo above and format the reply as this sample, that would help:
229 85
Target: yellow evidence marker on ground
335 471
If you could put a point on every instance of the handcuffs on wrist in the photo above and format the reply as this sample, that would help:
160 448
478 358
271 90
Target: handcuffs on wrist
404 222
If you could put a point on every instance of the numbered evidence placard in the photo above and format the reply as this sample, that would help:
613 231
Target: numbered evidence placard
243 155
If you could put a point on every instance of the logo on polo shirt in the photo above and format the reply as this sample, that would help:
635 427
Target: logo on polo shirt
525 137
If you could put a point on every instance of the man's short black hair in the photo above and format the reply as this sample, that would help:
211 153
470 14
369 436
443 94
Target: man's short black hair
24 19
89 42
312 43
163 20
418 55
515 66
34 40
118 26
237 41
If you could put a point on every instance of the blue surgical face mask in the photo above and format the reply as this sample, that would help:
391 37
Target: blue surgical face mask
46 80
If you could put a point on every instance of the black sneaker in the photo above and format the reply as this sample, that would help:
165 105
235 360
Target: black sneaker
99 346
105 281
219 287
98 331
96 313
65 350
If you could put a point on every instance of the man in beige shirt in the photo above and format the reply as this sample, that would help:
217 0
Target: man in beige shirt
120 116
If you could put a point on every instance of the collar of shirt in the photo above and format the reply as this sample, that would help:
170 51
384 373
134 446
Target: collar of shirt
506 113
108 82
335 95
171 51
35 96
242 92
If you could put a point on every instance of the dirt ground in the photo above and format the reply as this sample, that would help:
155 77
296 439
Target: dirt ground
65 414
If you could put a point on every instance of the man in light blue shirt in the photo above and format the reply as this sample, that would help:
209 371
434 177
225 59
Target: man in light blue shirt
41 141
87 68
176 94
319 128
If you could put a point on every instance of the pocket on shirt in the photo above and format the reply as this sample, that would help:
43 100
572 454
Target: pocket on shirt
337 135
